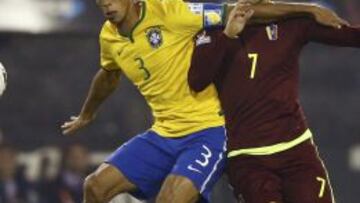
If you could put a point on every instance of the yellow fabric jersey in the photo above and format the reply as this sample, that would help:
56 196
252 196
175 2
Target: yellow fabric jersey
156 58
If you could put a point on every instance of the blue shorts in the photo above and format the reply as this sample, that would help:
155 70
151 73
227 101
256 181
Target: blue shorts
147 159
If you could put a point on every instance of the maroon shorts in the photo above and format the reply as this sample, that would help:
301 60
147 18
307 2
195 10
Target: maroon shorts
293 176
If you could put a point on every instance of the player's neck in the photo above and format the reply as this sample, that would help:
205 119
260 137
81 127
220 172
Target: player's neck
130 20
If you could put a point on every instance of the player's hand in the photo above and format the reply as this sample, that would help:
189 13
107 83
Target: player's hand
328 17
76 123
237 20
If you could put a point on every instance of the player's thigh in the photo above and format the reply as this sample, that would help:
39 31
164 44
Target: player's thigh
308 182
203 161
106 182
253 182
144 163
177 189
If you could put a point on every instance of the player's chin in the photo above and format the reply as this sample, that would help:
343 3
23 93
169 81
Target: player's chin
115 20
112 20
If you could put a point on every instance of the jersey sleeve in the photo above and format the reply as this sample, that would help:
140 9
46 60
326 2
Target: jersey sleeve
208 57
107 61
347 36
192 17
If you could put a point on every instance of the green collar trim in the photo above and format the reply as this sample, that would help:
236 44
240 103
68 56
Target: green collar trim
142 16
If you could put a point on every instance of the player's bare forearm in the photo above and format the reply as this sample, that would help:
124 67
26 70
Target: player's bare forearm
272 11
207 59
103 85
269 11
348 36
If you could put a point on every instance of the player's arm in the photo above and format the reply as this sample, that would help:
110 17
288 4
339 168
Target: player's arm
269 11
103 84
211 50
207 59
348 36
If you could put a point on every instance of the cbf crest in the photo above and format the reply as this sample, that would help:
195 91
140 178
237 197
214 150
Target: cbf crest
272 32
154 37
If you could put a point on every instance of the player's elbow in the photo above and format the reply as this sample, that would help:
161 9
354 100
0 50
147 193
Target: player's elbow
197 88
195 83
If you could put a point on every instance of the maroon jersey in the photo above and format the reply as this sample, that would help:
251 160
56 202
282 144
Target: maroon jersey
257 77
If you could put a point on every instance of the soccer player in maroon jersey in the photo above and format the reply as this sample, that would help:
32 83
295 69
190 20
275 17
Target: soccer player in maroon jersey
272 157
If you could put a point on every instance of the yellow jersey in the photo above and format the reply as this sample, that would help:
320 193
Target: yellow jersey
156 58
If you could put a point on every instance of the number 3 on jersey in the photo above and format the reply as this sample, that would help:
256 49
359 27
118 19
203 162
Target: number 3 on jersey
142 67
254 57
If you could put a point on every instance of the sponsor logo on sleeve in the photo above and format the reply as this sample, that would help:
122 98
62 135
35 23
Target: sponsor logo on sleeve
202 39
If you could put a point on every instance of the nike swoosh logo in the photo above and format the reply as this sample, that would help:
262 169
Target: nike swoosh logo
191 168
119 52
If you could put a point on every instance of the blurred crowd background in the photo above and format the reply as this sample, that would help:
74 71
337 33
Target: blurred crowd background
50 49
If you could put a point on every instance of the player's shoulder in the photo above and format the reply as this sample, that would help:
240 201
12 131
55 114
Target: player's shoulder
204 36
108 31
212 33
155 9
293 26
162 7
154 4
168 3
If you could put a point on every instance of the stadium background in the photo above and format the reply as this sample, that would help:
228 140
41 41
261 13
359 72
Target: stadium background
50 50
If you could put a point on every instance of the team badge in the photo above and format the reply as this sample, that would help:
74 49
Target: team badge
272 32
154 37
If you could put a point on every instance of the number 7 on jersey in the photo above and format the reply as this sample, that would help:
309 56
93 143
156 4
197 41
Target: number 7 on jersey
254 57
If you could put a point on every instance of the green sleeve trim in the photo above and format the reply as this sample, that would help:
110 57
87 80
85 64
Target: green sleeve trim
225 9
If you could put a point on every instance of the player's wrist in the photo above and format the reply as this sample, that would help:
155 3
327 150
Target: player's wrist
229 34
313 9
87 116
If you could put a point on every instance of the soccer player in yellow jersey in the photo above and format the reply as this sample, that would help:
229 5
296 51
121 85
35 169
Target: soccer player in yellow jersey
182 156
